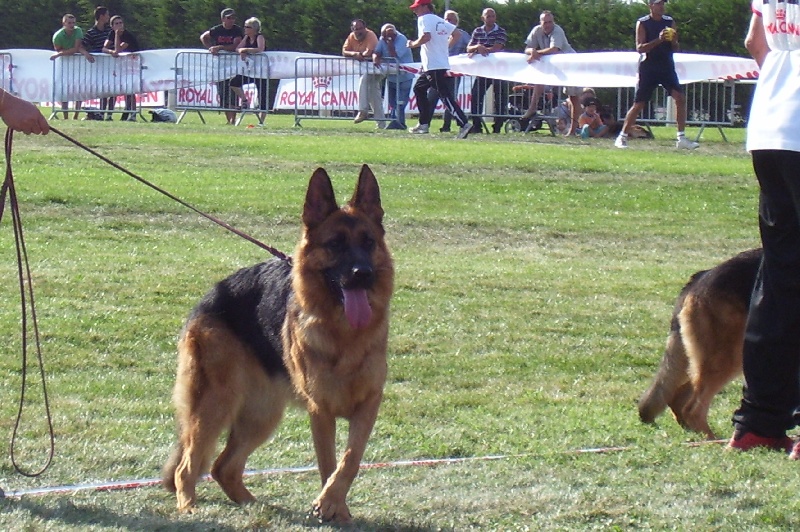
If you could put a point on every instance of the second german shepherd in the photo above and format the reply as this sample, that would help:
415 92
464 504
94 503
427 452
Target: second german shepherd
314 331
704 346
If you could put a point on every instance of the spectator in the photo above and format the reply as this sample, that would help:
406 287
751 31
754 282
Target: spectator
93 41
771 353
432 38
119 41
657 40
457 45
22 116
224 37
253 43
591 125
360 45
487 39
548 38
69 41
608 118
395 45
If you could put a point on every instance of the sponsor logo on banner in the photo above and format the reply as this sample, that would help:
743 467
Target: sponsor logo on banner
334 93
207 96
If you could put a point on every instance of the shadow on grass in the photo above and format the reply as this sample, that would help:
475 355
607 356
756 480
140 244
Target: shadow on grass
66 513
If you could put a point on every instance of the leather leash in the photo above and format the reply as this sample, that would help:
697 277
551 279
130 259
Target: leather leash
23 269
274 252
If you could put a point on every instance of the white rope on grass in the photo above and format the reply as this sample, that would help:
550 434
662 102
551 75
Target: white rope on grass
425 462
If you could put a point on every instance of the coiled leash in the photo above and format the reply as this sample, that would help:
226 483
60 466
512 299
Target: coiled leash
23 267
24 271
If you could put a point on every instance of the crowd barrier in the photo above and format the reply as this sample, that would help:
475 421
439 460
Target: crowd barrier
324 89
500 105
75 79
327 88
203 82
708 103
6 72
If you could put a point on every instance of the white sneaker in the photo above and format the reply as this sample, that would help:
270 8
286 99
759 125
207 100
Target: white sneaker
686 144
621 142
419 129
464 130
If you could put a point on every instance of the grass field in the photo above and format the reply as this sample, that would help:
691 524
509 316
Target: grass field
535 283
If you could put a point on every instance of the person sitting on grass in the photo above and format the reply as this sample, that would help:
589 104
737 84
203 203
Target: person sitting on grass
590 124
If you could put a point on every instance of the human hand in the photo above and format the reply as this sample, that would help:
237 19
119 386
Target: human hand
22 116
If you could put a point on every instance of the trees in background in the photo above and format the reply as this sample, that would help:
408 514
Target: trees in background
706 26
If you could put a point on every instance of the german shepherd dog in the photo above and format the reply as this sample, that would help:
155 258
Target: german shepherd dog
313 331
704 346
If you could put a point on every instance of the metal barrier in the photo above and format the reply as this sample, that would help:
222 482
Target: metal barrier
223 83
708 103
317 98
504 103
550 111
6 72
75 79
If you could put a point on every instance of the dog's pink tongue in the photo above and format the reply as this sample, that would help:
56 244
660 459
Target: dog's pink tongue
356 308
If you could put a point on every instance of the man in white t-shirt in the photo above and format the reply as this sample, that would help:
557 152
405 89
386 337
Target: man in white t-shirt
771 352
433 33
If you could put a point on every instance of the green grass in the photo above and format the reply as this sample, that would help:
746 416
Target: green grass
535 282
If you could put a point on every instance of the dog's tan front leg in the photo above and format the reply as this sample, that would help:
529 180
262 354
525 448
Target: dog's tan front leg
331 504
323 431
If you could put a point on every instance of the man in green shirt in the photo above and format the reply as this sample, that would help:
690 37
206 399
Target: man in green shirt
68 41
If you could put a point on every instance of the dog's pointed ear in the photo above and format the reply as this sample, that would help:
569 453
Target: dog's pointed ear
320 201
367 196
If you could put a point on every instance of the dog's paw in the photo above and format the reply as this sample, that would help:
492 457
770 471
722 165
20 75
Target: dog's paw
330 511
187 509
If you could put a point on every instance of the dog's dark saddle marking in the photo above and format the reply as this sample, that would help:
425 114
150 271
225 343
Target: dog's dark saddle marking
252 303
733 277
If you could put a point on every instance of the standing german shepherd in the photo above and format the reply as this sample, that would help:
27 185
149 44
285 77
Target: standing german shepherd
704 346
314 331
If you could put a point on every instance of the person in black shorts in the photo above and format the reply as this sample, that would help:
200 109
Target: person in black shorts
657 41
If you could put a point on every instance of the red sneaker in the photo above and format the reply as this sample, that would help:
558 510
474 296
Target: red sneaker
795 454
744 441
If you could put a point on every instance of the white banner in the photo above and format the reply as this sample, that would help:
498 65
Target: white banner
598 69
332 93
32 71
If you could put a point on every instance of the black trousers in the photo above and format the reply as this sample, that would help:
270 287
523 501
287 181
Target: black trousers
500 91
771 393
436 80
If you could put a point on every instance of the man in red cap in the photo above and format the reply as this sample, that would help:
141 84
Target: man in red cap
433 35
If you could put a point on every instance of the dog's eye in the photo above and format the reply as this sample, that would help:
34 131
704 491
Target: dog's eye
337 244
368 243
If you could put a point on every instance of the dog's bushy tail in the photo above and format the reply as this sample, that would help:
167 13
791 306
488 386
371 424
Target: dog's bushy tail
168 471
672 374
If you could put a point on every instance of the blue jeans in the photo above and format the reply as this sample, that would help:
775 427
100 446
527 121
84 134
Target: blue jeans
398 99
